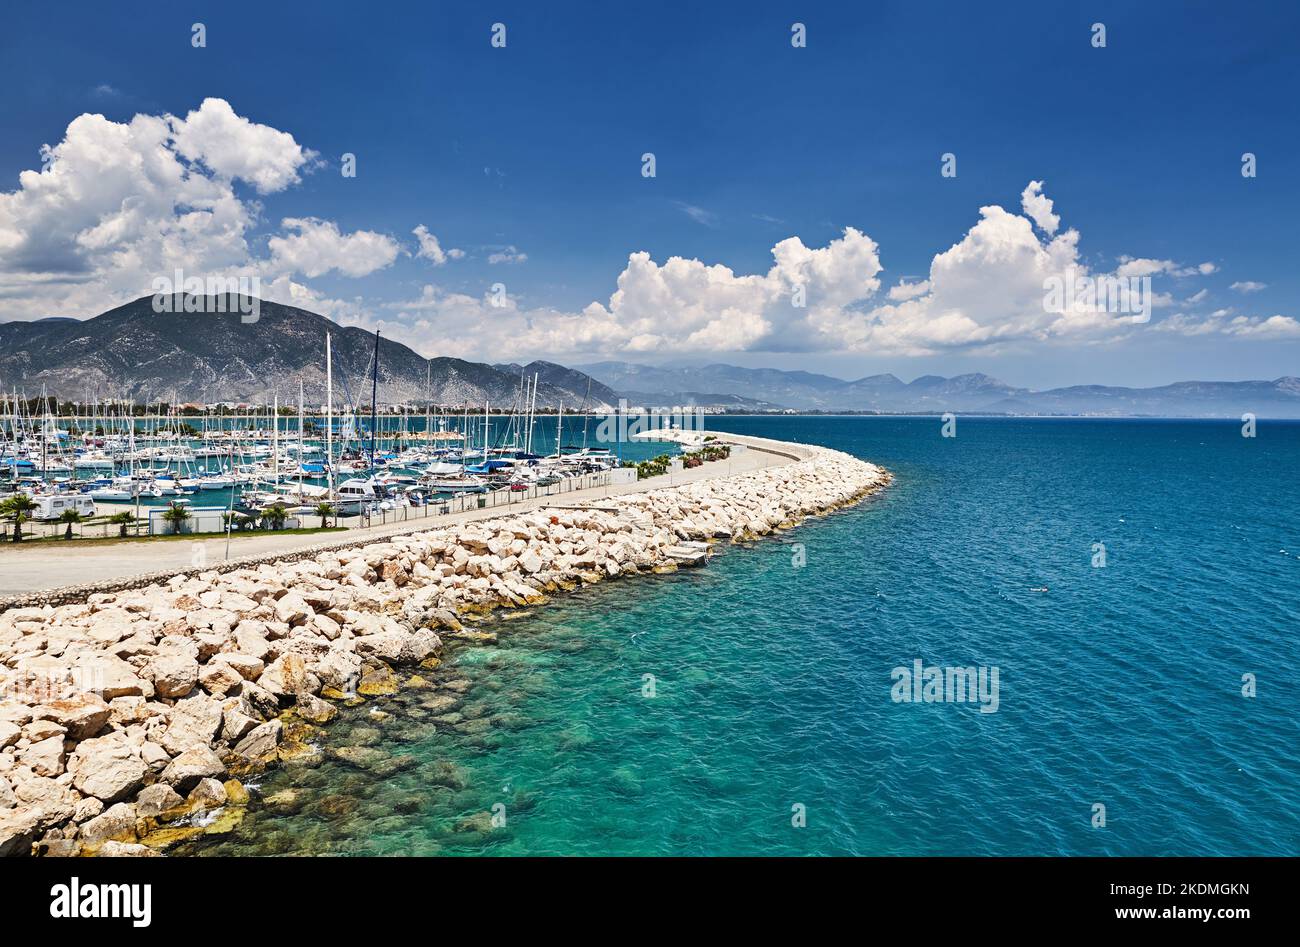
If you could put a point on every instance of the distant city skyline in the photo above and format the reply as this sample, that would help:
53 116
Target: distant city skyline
798 217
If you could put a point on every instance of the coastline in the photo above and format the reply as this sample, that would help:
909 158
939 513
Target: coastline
131 717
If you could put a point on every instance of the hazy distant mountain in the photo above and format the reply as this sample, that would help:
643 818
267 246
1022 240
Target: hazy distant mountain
132 351
962 393
1279 398
672 385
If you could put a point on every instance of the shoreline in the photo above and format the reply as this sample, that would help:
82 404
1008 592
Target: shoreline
131 717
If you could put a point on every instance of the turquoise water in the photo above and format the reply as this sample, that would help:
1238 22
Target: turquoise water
1118 685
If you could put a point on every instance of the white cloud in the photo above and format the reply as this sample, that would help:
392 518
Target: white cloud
1224 322
1248 286
508 254
1197 297
1130 266
318 247
906 290
233 147
986 291
1038 207
431 249
118 204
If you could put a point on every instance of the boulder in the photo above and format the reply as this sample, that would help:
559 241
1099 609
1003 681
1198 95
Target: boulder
173 675
378 682
261 741
110 677
185 771
195 721
247 666
207 794
250 639
292 609
82 716
288 675
219 678
157 799
18 830
315 710
107 768
45 758
117 823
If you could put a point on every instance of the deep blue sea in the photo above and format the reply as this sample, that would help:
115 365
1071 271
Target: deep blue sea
1120 686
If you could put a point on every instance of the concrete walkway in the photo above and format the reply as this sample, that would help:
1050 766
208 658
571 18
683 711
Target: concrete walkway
32 567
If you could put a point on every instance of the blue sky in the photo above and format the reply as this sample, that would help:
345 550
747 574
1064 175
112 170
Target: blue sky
534 150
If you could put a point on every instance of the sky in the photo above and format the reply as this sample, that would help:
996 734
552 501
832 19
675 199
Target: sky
799 215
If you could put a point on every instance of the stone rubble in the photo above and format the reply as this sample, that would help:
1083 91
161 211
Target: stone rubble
124 715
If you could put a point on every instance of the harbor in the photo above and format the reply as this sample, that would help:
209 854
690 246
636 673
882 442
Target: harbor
116 469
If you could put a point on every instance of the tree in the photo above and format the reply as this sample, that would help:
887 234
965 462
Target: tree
324 510
123 519
176 515
275 515
70 517
17 508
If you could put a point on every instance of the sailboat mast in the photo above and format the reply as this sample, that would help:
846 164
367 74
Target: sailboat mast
329 416
374 396
275 442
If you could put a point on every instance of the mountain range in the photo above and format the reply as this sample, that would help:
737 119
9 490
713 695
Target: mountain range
970 393
134 352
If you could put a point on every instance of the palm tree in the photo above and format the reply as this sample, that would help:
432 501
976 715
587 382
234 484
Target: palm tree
275 515
17 508
70 517
176 515
324 510
123 519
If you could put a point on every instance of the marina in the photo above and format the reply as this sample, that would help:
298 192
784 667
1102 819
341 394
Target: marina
277 466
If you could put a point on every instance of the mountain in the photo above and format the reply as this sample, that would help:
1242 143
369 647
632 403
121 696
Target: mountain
134 352
666 385
1279 398
565 379
970 393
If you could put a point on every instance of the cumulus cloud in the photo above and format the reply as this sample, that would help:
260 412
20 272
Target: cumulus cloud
1248 286
118 204
988 290
1038 207
431 249
318 247
234 147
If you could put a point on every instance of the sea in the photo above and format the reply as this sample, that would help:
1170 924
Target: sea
1129 590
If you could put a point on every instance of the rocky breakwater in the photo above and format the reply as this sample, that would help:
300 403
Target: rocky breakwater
128 721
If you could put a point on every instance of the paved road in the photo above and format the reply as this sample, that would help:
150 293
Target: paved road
36 566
